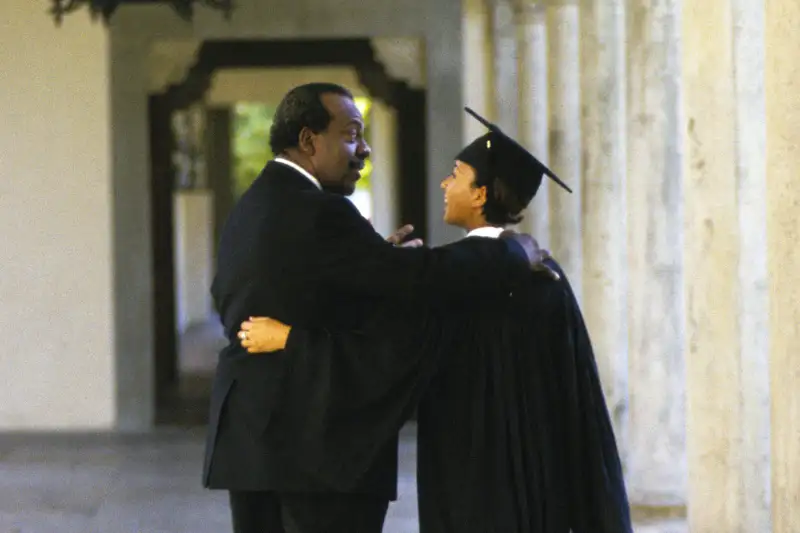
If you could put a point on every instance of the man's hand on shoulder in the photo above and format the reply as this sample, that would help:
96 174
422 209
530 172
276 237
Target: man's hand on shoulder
536 255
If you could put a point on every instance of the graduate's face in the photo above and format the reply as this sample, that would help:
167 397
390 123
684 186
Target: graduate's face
337 155
463 201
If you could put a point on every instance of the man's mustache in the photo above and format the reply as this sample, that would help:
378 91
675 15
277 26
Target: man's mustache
357 165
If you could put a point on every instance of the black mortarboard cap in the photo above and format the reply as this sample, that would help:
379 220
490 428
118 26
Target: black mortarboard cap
499 155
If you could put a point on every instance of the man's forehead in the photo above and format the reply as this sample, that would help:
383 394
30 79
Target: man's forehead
342 108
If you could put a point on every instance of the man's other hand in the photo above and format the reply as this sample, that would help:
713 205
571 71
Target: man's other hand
400 235
536 255
262 334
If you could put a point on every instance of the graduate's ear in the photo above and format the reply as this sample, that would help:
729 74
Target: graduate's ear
479 196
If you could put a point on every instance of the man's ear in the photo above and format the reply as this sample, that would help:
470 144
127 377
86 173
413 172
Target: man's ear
305 141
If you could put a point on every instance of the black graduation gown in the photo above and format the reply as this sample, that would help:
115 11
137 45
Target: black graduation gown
514 435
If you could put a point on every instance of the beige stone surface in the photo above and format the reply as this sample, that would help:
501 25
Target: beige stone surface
477 59
534 133
56 300
720 492
504 71
782 88
563 25
193 245
657 463
753 311
604 210
386 184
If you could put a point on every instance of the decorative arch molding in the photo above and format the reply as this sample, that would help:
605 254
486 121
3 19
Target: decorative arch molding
358 54
403 58
169 63
269 85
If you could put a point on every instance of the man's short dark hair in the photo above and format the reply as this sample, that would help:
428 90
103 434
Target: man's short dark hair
301 108
503 205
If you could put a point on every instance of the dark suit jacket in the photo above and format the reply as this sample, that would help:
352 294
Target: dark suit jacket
308 258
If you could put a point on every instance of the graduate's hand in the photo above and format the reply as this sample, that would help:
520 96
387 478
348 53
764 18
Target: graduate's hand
400 235
536 255
262 334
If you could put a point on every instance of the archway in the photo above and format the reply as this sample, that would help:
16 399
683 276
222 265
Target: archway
212 57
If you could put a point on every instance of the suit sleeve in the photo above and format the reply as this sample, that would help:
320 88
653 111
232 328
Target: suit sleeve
351 255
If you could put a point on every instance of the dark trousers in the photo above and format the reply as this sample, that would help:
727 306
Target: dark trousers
270 512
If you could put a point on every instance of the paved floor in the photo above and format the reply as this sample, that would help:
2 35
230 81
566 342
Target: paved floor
142 484
129 484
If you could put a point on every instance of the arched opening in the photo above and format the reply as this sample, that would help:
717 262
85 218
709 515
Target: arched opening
182 399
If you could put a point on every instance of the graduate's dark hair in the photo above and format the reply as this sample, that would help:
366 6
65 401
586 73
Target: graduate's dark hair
503 206
302 107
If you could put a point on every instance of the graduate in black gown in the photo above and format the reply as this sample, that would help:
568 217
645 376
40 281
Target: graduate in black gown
514 435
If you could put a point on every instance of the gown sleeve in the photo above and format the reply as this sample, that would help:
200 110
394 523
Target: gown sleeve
346 394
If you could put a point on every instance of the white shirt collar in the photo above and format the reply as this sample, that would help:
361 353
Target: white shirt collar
486 231
300 169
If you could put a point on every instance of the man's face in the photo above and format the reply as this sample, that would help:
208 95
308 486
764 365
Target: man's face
338 153
463 202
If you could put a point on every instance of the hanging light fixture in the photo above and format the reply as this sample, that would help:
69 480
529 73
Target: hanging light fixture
106 8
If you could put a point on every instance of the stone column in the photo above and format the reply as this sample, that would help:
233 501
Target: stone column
57 209
564 93
477 61
505 73
133 244
442 105
383 182
753 310
725 254
657 436
194 249
604 224
533 109
782 87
